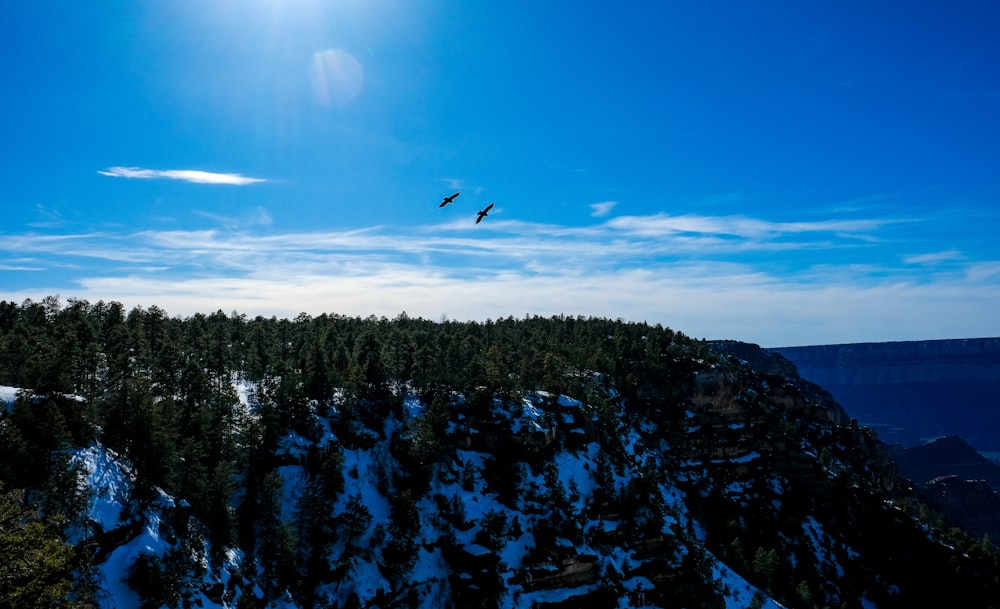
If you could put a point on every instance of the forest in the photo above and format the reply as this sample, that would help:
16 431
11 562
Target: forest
161 394
158 390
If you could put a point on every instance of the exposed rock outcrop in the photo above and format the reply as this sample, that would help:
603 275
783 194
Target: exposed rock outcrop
971 504
954 479
912 391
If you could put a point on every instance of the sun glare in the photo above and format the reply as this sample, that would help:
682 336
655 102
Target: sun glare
335 76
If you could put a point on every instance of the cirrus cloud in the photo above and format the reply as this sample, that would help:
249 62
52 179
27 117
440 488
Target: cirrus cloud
602 209
777 283
195 176
740 226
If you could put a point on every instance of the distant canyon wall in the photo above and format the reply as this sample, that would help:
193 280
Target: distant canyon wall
912 391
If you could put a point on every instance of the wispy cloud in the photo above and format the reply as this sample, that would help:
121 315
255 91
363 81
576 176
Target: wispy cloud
862 203
50 218
933 257
6 266
622 242
256 217
195 176
740 226
985 270
602 209
684 271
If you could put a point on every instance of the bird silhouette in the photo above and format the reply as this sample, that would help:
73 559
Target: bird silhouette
483 213
448 200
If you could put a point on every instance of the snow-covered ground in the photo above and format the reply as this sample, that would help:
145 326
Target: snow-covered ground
8 395
111 484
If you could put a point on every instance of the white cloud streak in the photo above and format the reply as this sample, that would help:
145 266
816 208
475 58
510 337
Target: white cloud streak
187 175
933 257
739 226
258 216
602 209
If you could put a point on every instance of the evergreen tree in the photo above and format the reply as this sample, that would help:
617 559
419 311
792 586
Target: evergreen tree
765 566
367 375
397 355
36 566
354 523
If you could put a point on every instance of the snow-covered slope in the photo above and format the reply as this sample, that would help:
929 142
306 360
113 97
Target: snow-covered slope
712 484
552 538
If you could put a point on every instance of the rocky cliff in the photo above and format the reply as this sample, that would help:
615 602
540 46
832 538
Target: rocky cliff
947 456
912 391
951 477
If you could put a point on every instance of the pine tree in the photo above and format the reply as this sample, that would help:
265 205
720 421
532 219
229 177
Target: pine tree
397 355
354 521
765 566
36 566
276 545
367 376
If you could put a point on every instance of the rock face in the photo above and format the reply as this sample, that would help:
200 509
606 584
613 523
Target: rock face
970 504
775 363
948 456
912 391
954 479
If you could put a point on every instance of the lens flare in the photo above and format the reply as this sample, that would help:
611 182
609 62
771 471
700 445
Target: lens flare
336 77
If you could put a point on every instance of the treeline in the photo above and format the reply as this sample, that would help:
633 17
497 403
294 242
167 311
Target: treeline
160 391
90 349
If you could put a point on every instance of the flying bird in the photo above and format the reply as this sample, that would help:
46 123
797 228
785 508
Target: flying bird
483 213
448 200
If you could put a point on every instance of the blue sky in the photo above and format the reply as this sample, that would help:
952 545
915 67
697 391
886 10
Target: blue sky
784 173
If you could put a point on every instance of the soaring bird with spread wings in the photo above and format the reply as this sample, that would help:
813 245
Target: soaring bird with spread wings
483 213
448 200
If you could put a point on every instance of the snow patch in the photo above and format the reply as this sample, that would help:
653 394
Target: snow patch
8 395
109 483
